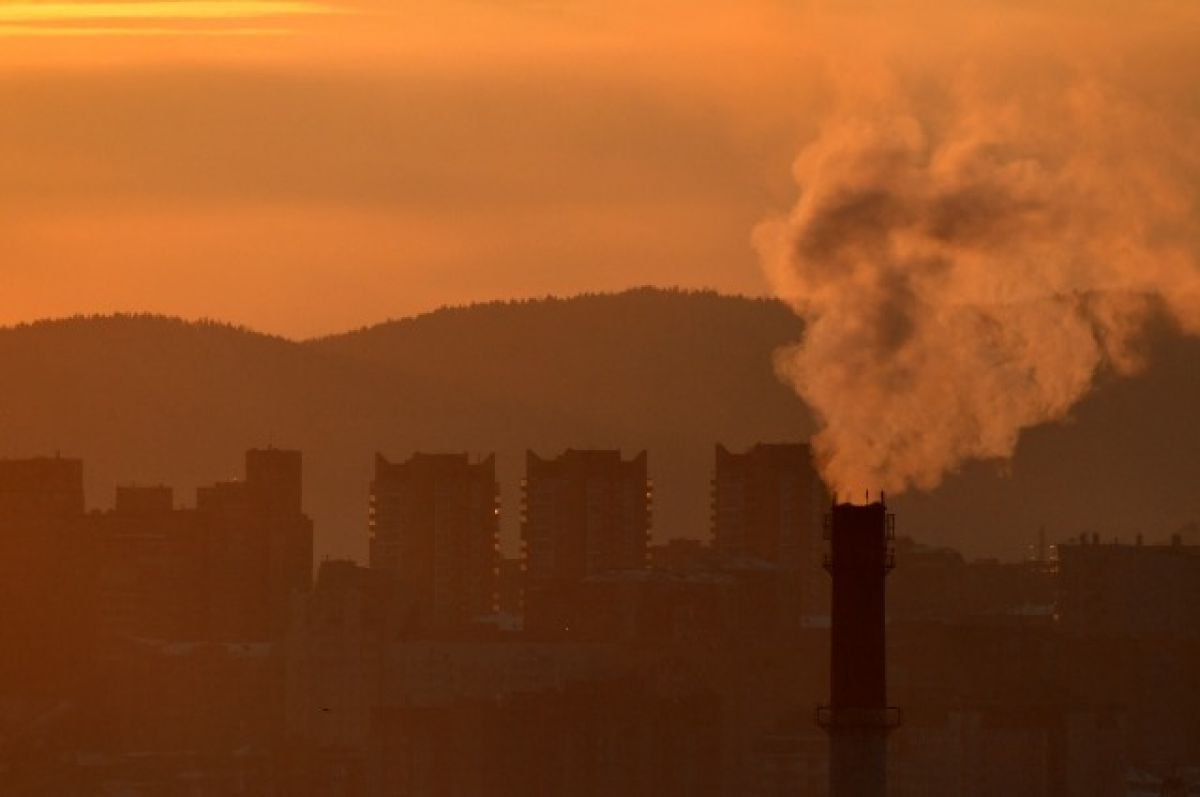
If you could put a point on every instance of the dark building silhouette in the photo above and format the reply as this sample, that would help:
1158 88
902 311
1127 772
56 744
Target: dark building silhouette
45 571
152 570
147 651
1129 590
259 546
193 608
434 526
334 656
138 500
937 584
276 479
1129 626
226 570
40 488
143 643
767 504
689 594
593 739
858 718
584 513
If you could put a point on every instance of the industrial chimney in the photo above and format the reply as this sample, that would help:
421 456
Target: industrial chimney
858 718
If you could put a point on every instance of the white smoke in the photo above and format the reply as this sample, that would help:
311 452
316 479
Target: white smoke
965 265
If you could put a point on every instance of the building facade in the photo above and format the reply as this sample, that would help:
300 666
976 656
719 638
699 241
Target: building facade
259 546
434 526
583 514
227 569
152 574
45 570
1104 589
768 506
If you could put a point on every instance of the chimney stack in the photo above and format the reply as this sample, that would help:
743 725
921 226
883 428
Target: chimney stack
858 717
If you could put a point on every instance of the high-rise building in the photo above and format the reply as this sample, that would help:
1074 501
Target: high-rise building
225 570
259 546
584 513
45 569
151 567
40 488
768 504
434 525
275 479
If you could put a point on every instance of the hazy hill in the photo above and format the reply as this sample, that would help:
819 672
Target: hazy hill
152 399
601 369
149 399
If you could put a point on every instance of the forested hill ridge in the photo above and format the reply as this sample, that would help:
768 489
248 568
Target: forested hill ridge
149 399
645 360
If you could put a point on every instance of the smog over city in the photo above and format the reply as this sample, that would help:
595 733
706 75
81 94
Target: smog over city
567 397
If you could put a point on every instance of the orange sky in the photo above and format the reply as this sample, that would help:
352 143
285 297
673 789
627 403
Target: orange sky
305 167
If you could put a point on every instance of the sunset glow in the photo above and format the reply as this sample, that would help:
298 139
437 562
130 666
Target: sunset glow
382 158
156 9
22 31
204 19
496 398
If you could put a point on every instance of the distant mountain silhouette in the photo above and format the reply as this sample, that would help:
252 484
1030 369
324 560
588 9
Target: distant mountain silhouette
153 399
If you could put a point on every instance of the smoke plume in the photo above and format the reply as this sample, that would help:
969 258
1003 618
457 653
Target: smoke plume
967 259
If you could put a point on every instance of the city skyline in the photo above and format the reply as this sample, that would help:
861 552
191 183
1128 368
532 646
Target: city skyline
149 399
580 398
169 627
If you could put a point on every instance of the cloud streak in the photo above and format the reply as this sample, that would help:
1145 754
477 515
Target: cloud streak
34 31
152 18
